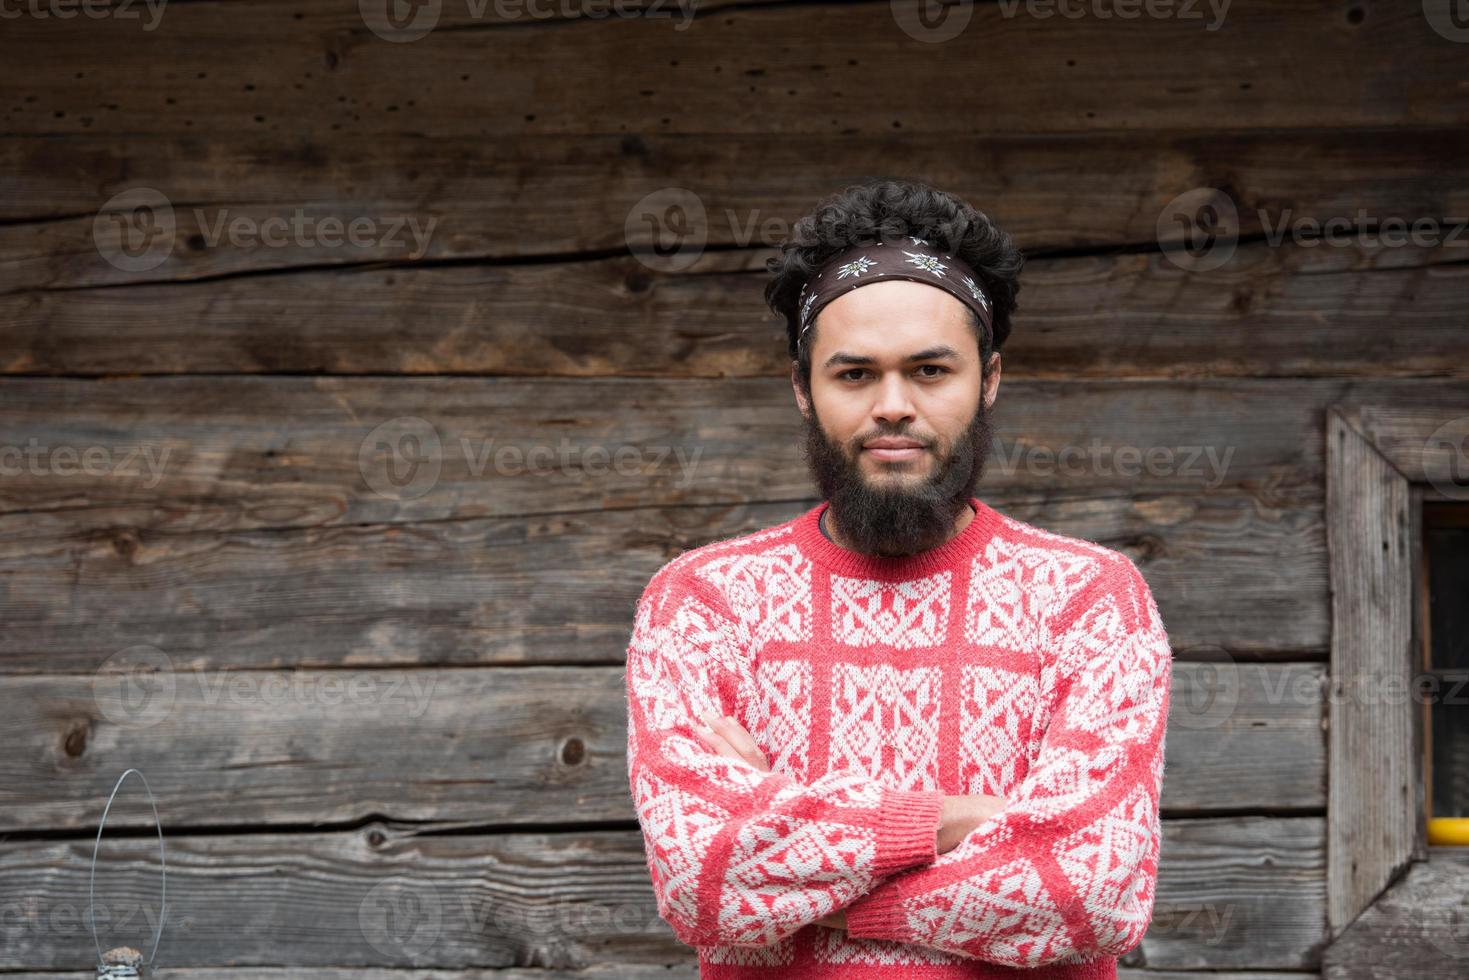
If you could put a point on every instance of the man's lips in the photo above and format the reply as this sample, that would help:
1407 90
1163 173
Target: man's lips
894 450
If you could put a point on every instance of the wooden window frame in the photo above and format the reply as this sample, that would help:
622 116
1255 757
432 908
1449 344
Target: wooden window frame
1382 462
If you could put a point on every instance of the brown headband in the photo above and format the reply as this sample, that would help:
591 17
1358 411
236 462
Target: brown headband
914 259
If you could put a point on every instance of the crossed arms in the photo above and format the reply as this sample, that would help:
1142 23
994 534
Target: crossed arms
1063 870
957 817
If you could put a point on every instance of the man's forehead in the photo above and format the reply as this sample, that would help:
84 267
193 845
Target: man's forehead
910 322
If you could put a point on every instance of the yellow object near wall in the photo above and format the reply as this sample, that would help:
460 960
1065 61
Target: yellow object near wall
1448 830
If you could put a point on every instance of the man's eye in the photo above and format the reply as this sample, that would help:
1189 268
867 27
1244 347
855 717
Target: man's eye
853 374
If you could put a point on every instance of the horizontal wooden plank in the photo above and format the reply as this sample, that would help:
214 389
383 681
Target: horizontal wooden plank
186 453
686 970
1233 893
1298 310
480 747
312 68
594 195
1415 928
1229 571
1213 909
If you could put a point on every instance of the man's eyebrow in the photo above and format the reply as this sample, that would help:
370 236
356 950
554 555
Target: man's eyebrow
938 353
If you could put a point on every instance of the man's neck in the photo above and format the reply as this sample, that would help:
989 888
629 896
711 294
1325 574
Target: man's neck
959 527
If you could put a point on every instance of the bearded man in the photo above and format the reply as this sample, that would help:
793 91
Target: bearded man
901 734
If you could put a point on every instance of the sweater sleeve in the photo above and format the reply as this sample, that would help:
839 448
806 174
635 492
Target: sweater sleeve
1066 871
741 857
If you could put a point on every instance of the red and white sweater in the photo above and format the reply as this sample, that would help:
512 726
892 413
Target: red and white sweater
1010 661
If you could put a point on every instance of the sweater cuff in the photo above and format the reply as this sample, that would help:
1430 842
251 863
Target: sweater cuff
878 914
908 829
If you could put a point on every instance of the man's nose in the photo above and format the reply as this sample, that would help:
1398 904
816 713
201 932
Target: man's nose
894 401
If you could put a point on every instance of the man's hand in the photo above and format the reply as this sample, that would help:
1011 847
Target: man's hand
837 920
728 738
959 817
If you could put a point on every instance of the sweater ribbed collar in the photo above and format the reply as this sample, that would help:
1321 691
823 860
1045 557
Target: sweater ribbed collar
952 554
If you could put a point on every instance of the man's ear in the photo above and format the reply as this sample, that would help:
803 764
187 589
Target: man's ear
802 402
991 381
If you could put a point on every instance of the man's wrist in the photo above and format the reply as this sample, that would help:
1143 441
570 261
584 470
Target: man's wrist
961 815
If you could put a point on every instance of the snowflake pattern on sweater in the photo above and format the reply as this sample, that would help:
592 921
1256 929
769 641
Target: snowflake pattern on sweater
1010 661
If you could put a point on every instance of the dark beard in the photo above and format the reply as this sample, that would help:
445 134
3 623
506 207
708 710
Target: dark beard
902 519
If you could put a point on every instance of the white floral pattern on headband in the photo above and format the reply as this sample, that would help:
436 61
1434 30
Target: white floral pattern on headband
926 262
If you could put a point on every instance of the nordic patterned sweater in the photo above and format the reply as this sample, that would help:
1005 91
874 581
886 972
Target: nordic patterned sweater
1010 661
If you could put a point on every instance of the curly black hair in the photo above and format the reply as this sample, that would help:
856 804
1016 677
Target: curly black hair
885 208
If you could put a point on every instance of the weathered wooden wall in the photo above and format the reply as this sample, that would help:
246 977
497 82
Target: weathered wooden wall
473 782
